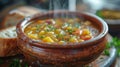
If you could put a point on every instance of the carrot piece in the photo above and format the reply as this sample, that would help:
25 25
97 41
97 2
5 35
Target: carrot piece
78 31
87 37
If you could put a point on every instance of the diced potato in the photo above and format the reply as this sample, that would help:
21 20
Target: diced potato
73 39
41 32
57 31
34 36
34 28
85 32
54 38
80 40
87 23
48 39
50 33
61 42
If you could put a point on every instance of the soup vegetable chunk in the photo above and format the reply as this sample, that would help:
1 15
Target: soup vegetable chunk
60 30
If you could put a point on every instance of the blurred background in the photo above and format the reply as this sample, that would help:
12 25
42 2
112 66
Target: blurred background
109 10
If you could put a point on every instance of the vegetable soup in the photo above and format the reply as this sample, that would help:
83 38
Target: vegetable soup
61 30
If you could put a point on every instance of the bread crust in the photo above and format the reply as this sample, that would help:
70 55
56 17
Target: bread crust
8 46
11 20
18 14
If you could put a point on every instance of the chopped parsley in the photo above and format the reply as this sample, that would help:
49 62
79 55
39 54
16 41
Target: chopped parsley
116 43
15 63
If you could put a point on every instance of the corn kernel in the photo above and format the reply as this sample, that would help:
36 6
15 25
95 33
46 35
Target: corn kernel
48 39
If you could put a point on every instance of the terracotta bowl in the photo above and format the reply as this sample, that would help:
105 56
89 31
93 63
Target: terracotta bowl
71 54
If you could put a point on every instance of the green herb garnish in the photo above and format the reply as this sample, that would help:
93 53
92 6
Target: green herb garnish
77 25
70 31
1 61
51 28
65 25
116 43
99 13
41 37
38 26
106 52
60 36
15 63
26 65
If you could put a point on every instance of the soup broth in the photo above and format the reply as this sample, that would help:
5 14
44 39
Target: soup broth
61 30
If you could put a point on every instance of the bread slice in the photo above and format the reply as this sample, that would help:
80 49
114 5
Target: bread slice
8 42
17 15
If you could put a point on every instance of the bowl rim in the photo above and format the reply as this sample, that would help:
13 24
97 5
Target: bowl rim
23 36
